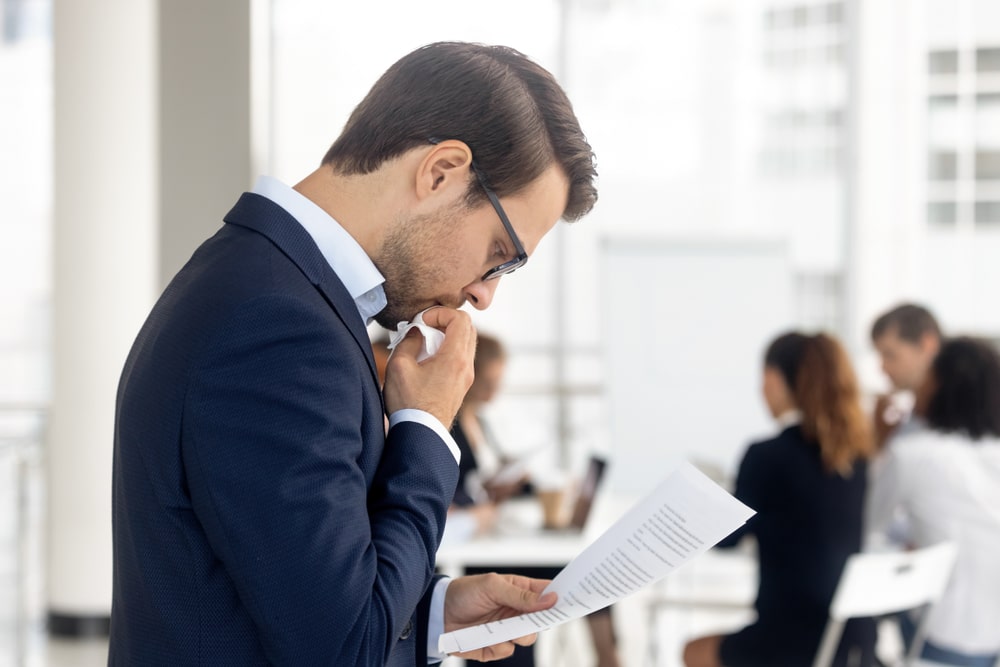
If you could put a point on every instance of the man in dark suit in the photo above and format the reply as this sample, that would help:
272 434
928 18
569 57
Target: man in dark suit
263 513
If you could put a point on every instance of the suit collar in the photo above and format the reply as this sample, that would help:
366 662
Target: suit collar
263 216
340 249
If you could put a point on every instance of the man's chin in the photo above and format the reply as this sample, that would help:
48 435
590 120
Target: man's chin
390 318
387 320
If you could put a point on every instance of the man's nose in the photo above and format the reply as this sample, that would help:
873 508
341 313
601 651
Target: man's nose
480 293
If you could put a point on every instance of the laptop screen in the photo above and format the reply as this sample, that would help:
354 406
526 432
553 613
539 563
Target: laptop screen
588 490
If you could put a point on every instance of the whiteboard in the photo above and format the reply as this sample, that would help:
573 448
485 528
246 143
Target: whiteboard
686 323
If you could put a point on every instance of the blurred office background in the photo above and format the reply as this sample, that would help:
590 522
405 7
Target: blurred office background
765 164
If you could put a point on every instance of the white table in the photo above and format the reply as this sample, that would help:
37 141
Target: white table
519 538
543 549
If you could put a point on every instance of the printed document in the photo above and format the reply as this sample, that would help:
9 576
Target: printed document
684 516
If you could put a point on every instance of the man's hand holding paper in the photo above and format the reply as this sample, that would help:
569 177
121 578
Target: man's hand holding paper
482 598
683 517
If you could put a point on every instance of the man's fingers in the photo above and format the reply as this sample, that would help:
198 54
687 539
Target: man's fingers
489 653
527 640
544 602
411 344
534 585
460 334
497 651
524 594
439 317
456 324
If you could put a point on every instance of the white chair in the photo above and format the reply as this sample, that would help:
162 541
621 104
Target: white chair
875 584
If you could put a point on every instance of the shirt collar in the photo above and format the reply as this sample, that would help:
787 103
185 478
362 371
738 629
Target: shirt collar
788 418
342 252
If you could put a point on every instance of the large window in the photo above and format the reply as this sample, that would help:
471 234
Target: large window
963 114
25 298
25 193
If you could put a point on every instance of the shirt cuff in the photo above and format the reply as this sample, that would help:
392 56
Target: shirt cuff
431 422
435 621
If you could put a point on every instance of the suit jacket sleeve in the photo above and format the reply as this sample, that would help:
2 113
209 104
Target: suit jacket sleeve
330 561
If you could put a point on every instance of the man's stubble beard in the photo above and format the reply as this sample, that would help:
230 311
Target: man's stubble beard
411 263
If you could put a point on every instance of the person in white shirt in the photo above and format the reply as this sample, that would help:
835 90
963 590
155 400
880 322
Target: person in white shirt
945 479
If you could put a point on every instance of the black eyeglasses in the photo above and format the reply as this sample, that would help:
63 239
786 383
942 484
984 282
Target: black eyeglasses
520 257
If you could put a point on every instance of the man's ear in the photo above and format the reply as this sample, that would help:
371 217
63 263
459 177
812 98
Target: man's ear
444 170
930 343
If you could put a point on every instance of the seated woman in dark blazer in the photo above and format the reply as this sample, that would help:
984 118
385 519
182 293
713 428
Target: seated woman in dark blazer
807 485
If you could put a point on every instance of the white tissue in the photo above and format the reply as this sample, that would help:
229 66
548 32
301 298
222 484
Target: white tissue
432 337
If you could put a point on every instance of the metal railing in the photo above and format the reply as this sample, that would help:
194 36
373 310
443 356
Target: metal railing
22 428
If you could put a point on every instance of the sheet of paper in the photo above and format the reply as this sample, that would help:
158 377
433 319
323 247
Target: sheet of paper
510 473
515 470
683 517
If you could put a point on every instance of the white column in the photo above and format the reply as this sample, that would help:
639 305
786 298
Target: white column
208 117
153 132
887 159
105 214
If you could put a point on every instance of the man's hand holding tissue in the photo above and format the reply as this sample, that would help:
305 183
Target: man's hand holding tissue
438 384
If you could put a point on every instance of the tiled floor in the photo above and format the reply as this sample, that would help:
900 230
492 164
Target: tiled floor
23 642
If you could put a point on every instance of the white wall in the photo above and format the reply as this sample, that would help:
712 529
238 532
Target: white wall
686 325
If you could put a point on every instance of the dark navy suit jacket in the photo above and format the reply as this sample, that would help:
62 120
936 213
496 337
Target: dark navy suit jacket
261 514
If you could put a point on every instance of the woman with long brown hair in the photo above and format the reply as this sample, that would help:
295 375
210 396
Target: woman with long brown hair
807 485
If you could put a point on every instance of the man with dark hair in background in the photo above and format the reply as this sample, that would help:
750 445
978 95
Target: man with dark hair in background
262 512
907 338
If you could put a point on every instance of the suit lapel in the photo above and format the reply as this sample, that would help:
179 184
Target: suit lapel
264 216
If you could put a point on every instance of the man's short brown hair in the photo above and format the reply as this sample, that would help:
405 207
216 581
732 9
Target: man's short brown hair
510 111
910 321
